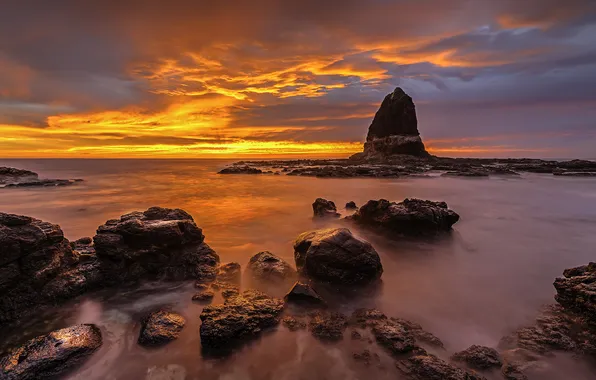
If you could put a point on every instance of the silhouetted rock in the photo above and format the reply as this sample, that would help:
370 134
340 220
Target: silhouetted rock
240 317
12 177
351 205
328 326
577 290
335 255
410 217
479 357
429 367
159 243
324 208
303 294
237 169
51 355
161 327
394 130
265 267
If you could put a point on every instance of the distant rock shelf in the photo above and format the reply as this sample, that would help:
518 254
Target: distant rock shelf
13 177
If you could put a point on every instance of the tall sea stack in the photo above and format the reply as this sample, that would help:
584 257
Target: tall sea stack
394 130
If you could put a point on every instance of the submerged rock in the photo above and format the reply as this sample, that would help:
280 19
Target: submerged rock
479 357
411 217
303 294
324 208
159 243
466 173
240 169
266 267
51 355
577 290
429 367
161 327
335 255
241 317
328 326
293 323
229 275
395 338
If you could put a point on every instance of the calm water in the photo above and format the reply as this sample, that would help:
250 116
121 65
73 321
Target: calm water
515 236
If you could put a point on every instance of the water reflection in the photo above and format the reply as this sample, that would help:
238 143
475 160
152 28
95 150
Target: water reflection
492 275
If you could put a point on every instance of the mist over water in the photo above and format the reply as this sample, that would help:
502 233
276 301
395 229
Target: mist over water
489 277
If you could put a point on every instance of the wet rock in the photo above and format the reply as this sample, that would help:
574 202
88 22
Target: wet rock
367 317
576 291
159 243
51 355
336 256
229 293
303 294
429 367
265 267
413 217
293 323
45 183
161 327
479 357
351 205
12 177
419 334
367 357
240 317
240 169
203 296
395 338
323 208
328 326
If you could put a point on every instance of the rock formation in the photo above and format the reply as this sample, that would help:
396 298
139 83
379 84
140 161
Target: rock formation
323 208
479 357
12 177
394 130
335 255
304 295
577 290
265 267
161 327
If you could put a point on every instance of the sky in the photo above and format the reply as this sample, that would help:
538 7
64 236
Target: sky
236 78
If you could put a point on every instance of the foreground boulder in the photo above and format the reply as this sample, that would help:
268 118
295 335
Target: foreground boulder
411 217
242 316
161 327
577 290
265 267
394 130
51 355
479 357
335 255
159 243
323 208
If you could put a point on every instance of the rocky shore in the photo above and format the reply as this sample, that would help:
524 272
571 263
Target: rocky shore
12 177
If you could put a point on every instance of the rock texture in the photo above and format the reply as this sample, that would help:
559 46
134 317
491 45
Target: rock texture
265 267
52 355
240 169
323 208
577 290
394 130
242 316
430 367
335 255
12 177
302 294
410 217
159 243
161 327
328 326
479 357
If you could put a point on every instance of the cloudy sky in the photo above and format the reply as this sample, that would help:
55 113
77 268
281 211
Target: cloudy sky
193 78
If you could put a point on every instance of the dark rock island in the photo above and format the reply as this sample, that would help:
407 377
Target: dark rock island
12 177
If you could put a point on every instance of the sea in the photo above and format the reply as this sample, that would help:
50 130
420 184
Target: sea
490 276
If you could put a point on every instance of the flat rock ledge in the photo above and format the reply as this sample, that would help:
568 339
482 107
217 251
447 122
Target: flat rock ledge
52 355
12 177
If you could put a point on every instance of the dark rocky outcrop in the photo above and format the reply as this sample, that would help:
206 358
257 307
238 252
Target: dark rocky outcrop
240 169
302 294
323 208
430 367
293 323
479 357
394 130
52 355
242 316
159 243
335 255
12 177
411 217
205 295
351 205
265 267
161 327
577 290
328 326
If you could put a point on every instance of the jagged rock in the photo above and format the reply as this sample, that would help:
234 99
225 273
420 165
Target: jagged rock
203 296
159 243
335 255
517 361
429 367
394 130
479 357
240 169
421 335
161 327
324 208
412 217
328 326
265 267
395 338
577 290
240 317
367 317
293 323
51 355
351 205
303 294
